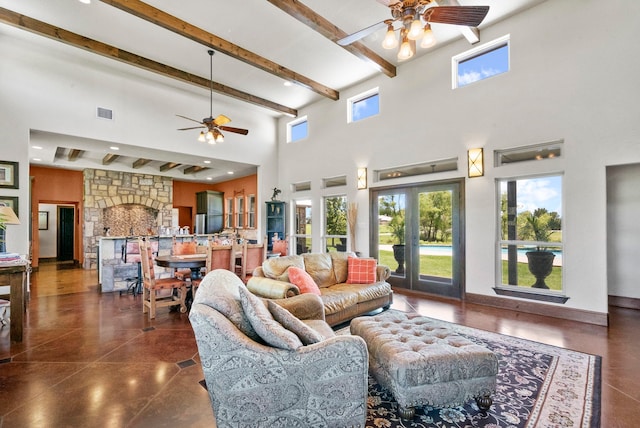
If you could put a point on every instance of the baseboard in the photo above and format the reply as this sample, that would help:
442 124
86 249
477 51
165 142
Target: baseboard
562 312
624 302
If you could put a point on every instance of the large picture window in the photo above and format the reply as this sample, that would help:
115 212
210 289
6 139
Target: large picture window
530 244
335 223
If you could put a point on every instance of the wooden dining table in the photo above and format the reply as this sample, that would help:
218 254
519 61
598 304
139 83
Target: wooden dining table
195 262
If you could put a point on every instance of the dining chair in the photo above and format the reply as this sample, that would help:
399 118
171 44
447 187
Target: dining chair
280 246
182 248
252 256
218 257
152 285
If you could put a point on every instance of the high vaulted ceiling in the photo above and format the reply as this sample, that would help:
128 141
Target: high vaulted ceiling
260 45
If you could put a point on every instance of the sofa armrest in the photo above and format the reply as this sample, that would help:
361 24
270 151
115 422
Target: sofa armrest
304 306
383 272
271 288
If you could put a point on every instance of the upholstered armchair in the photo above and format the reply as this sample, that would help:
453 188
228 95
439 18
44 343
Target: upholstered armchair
254 384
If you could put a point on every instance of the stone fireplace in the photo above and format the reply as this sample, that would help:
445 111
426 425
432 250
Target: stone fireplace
124 204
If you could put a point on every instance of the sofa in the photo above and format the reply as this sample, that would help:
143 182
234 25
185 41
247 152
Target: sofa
342 298
276 363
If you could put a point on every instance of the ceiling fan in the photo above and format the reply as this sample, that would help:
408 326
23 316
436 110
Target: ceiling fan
416 17
214 126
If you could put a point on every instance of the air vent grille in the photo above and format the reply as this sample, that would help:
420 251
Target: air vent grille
105 113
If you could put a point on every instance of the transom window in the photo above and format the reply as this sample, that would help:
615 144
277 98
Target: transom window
297 130
363 105
481 62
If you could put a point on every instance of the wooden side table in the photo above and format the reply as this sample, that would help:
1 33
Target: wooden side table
14 274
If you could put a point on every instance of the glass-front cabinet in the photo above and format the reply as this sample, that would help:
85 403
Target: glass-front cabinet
276 221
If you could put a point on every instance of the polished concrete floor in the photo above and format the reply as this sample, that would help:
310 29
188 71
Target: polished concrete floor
93 360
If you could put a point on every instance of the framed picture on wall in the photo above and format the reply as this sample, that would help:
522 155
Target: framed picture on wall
10 201
9 175
43 220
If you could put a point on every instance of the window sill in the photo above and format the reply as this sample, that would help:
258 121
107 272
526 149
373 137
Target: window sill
530 295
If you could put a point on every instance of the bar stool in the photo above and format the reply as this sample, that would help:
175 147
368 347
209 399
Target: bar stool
4 304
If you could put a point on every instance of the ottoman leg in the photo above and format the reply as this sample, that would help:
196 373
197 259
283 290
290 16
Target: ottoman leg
484 402
407 412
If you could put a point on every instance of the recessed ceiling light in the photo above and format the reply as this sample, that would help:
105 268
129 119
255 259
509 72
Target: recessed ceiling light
230 172
207 161
36 147
37 159
209 178
287 83
85 1
114 148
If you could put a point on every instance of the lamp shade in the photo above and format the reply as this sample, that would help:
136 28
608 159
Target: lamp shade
7 216
362 178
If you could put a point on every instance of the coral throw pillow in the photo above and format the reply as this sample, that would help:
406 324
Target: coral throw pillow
301 279
361 271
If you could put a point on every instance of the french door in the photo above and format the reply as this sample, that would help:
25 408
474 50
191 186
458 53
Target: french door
418 231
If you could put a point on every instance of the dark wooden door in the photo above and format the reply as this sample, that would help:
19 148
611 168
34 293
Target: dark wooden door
66 223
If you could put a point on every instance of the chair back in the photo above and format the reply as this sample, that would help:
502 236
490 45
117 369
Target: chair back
146 260
185 247
220 257
252 256
280 246
131 251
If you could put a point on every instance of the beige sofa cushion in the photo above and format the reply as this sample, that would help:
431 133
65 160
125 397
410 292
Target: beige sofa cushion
320 267
276 267
365 292
339 260
337 300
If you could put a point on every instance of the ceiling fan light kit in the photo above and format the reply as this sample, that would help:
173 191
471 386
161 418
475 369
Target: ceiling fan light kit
416 17
213 125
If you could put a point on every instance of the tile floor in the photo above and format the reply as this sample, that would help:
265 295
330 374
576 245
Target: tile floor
93 360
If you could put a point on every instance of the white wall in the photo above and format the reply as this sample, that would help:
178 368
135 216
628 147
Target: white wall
49 237
572 78
623 230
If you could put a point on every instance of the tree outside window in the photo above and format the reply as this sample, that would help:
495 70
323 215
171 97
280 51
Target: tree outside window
335 223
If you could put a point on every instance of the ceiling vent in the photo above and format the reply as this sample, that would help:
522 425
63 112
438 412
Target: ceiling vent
105 113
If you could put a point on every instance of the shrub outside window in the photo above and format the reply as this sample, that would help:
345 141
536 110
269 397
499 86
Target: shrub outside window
530 242
363 105
335 223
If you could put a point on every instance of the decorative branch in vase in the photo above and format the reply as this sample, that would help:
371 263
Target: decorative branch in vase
352 219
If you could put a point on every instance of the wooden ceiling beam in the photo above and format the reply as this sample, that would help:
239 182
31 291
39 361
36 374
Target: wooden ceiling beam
320 24
185 29
43 29
109 158
139 163
167 166
193 169
74 154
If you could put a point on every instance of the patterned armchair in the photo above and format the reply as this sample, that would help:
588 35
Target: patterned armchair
254 384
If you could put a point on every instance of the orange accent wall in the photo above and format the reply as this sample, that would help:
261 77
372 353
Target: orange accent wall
184 192
56 186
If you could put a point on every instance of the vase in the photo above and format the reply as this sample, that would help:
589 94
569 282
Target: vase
540 266
398 254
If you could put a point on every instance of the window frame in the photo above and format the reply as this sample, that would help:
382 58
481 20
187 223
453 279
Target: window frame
524 290
240 212
251 212
291 125
478 51
230 214
353 101
325 236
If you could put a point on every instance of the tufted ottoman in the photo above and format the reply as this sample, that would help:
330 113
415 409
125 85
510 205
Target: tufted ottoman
422 362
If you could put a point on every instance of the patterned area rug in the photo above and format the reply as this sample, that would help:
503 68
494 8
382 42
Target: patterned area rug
538 386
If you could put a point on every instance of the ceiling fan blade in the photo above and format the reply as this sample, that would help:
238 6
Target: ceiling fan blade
221 120
236 130
362 33
188 118
388 3
471 16
193 127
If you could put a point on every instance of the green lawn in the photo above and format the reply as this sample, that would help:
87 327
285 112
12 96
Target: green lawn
441 266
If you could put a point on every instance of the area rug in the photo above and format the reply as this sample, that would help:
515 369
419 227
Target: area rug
538 386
